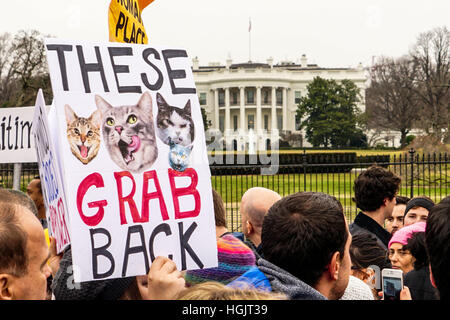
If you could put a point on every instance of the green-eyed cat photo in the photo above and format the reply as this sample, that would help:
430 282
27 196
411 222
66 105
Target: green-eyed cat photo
129 133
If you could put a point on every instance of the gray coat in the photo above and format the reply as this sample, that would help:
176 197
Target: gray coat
284 282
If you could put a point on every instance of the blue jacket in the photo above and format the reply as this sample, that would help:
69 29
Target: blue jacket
254 279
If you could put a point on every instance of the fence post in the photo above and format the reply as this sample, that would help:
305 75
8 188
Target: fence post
16 177
304 163
411 161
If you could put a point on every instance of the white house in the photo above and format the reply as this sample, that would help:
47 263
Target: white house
253 104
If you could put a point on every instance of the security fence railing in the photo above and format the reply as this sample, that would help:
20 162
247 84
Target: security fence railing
421 174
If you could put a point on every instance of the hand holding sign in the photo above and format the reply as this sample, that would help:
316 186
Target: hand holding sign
165 282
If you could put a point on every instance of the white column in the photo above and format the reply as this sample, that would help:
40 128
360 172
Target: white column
227 109
284 109
258 110
274 110
216 109
242 108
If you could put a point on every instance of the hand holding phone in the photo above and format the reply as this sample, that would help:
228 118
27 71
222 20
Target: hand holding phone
392 283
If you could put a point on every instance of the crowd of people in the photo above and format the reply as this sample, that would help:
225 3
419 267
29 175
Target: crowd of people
296 247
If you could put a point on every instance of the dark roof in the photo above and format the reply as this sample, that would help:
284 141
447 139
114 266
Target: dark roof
249 65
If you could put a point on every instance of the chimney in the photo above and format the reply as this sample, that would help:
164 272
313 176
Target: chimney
195 63
229 62
304 61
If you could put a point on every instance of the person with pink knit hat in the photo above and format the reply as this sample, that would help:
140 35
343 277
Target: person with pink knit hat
401 257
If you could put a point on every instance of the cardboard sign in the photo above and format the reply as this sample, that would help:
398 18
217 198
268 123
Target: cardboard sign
125 21
51 181
133 158
16 143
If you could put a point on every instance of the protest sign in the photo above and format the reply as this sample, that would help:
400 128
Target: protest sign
125 21
51 181
133 158
16 143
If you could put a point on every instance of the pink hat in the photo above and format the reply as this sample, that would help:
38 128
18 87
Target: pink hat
402 235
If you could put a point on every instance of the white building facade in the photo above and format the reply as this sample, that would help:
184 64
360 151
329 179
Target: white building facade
253 105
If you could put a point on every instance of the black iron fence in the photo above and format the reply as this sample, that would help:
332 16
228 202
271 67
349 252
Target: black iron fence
422 174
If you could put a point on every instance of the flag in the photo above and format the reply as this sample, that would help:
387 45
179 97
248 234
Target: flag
144 3
249 25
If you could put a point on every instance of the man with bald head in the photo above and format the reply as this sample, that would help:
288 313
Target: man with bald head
23 249
255 204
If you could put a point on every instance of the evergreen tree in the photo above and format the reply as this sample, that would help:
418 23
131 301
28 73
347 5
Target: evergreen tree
331 113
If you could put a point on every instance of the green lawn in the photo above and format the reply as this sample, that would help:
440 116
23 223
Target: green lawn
340 185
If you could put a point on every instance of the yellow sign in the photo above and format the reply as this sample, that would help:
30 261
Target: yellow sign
125 21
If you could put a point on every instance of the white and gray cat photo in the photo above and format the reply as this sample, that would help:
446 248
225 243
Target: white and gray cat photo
129 133
175 127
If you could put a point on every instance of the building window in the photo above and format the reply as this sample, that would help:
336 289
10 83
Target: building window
266 122
221 98
202 98
234 98
298 96
298 122
279 97
221 123
235 122
266 97
250 96
251 121
280 121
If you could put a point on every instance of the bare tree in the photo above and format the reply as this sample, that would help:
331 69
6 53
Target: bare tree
431 57
23 69
391 102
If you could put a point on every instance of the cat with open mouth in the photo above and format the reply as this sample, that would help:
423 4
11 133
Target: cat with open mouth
129 133
83 134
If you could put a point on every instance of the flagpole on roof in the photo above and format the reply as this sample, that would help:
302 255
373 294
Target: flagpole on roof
249 40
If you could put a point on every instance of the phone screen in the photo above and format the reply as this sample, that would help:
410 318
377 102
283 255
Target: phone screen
391 288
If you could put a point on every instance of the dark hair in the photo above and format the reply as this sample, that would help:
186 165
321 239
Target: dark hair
302 231
373 186
13 242
366 251
402 200
437 239
219 210
416 245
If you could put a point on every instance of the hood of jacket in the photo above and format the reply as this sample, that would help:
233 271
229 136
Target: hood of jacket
283 281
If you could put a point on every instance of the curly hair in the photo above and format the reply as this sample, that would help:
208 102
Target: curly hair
373 186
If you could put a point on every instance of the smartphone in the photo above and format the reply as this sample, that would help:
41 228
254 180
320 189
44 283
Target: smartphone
392 283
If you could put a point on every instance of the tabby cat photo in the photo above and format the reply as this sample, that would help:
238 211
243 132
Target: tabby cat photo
83 134
174 124
129 133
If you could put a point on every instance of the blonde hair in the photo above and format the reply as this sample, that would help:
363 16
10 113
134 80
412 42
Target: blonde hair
212 290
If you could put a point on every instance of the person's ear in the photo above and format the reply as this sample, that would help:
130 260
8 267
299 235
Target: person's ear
431 277
249 227
5 286
333 267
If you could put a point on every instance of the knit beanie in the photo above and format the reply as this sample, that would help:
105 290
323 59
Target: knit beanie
401 236
357 290
234 258
63 287
419 202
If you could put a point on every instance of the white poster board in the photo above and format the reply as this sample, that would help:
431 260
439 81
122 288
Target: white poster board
16 142
51 180
133 158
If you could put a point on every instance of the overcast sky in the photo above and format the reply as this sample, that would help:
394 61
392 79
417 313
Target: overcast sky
332 33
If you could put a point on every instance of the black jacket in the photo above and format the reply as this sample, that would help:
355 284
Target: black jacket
363 221
419 284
